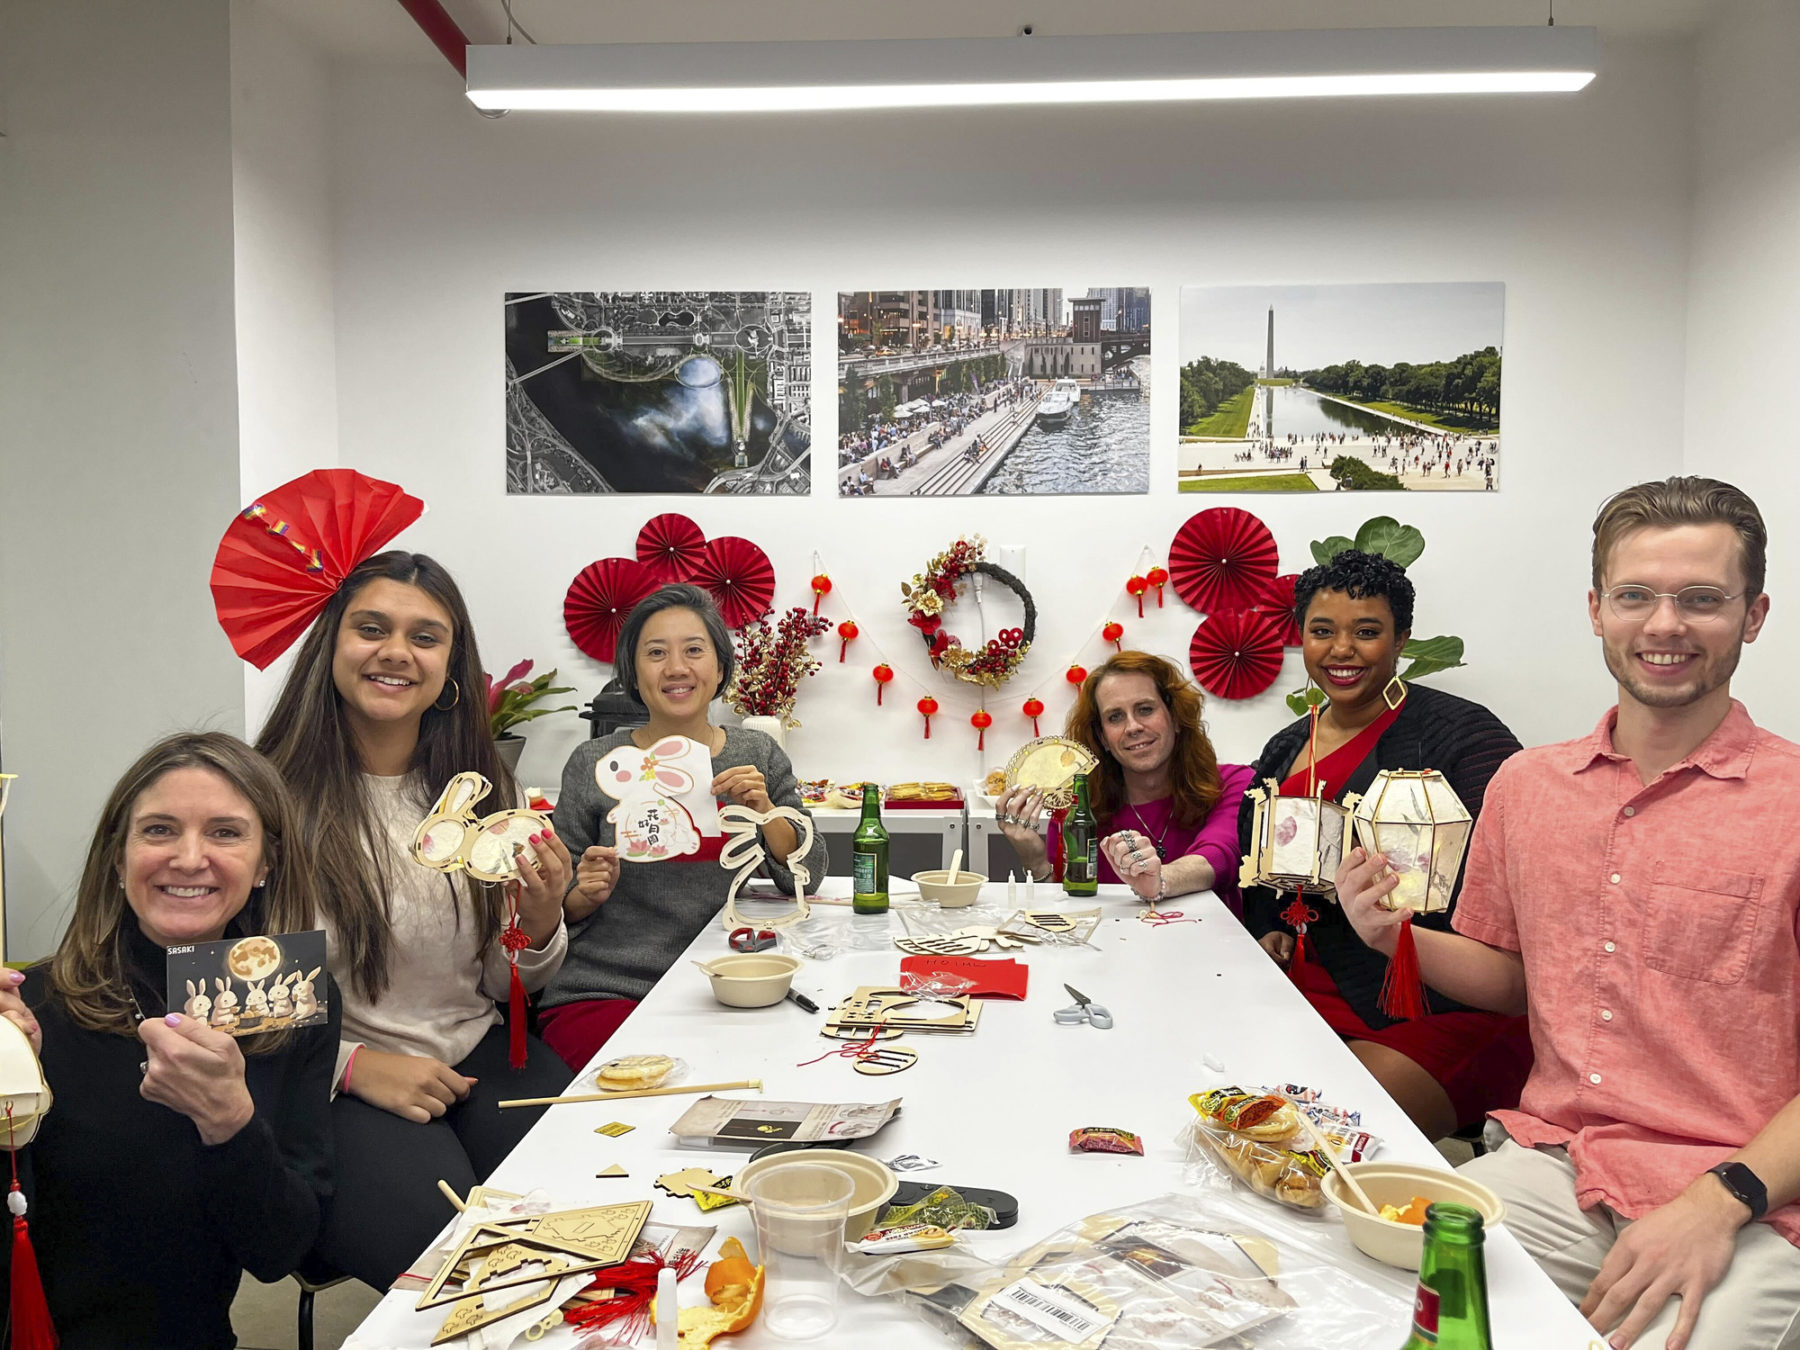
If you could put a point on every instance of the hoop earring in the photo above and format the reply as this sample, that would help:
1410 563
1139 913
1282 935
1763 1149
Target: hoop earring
455 697
1393 693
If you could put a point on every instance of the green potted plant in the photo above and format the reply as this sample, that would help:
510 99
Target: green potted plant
509 703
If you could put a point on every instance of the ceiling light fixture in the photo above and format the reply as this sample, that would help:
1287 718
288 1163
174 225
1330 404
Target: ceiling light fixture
720 77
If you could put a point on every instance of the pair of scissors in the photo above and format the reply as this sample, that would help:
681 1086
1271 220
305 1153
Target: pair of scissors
1085 1010
751 939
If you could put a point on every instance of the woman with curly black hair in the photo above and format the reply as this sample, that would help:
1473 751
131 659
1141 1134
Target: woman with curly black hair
1450 1067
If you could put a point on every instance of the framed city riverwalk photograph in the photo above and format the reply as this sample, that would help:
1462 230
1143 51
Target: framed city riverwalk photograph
659 391
1034 392
1391 387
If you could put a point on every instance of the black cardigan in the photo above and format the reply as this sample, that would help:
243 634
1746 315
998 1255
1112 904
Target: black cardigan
142 1231
1463 741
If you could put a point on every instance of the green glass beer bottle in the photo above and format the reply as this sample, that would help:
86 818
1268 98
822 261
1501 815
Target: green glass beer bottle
869 857
1081 844
1450 1307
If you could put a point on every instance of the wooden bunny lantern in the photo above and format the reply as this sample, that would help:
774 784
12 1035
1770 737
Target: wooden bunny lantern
451 839
664 794
744 852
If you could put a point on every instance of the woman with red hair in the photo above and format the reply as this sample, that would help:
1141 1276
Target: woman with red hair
1167 808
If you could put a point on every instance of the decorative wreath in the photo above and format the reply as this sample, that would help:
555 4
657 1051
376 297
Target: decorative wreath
930 592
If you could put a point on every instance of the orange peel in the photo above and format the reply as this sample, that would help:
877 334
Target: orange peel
735 1287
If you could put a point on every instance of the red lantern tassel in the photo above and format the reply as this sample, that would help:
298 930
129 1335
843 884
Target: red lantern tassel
514 940
1297 962
633 1286
31 1325
928 726
877 695
1403 991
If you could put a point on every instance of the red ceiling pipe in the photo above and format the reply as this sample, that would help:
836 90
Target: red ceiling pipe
442 30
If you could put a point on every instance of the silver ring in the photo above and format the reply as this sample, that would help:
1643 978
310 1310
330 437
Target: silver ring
1007 820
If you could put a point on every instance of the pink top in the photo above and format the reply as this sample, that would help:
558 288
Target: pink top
1660 930
1215 838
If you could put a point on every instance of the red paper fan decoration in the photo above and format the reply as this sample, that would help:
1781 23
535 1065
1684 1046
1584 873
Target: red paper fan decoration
671 546
285 555
599 598
740 577
1277 601
1222 559
1235 653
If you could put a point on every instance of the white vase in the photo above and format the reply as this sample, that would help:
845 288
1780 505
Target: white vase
772 727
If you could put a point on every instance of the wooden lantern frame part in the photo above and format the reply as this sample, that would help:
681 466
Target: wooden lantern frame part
1329 824
744 851
456 809
1030 766
1443 814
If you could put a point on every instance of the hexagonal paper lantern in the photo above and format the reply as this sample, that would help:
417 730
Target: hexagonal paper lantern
1416 820
1296 843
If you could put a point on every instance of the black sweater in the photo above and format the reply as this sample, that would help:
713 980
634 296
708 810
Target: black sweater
142 1231
1461 740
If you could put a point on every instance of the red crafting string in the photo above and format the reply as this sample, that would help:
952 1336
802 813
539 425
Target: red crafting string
851 1050
31 1325
633 1284
515 940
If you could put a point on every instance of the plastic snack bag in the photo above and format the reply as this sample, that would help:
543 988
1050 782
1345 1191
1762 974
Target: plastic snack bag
1257 1138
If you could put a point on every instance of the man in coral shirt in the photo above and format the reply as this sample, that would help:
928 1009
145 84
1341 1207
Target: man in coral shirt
1637 892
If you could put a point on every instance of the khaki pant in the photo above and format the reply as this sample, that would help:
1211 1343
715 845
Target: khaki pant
1755 1307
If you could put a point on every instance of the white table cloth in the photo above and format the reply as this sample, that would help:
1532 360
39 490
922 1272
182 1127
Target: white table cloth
996 1107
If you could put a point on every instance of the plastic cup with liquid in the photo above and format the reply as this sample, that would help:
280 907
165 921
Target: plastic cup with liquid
800 1210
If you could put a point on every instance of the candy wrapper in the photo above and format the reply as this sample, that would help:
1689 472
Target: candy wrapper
1257 1137
1104 1139
943 1208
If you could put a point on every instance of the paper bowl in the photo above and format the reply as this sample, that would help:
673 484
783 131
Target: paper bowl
751 979
936 885
875 1181
1394 1183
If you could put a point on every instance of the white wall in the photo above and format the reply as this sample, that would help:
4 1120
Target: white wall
1578 205
282 224
118 418
1744 305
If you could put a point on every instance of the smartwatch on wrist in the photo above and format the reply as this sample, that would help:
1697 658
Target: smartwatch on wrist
1744 1185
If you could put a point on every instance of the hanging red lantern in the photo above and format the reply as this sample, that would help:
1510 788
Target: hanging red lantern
981 721
883 673
1135 587
928 705
1112 633
1034 709
1158 577
1076 675
821 585
846 631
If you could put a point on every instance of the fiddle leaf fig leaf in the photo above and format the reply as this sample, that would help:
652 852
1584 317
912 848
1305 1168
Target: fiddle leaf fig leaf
1324 550
1390 539
1430 655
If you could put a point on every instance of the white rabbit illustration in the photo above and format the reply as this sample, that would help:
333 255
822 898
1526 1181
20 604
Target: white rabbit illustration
306 1003
256 1002
451 839
649 823
225 1006
281 998
198 1005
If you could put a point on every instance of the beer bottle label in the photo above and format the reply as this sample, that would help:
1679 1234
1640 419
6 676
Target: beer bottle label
1425 1314
864 871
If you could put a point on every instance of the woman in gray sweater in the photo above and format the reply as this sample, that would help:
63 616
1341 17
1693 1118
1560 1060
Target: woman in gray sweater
628 923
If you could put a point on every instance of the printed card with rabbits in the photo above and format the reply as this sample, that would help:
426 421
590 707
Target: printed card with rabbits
242 986
665 800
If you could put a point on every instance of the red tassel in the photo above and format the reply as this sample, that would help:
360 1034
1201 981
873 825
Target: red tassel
31 1325
1297 962
1403 991
515 1013
634 1286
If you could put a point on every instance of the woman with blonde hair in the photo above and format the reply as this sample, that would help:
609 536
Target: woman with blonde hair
174 1157
1167 808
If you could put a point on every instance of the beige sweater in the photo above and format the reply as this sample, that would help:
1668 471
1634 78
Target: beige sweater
441 994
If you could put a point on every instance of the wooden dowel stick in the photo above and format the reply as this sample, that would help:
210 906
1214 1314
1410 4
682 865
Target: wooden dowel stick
1320 1142
451 1195
642 1092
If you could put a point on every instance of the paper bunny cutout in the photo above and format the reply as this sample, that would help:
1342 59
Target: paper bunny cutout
663 807
744 852
198 1005
451 839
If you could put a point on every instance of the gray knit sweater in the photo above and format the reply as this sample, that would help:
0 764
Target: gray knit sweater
656 909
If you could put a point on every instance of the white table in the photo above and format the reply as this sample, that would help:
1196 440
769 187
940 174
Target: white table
996 1107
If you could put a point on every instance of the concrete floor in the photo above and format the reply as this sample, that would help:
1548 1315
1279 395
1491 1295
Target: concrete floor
264 1314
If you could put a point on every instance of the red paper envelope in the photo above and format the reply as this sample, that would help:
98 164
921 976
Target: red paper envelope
993 979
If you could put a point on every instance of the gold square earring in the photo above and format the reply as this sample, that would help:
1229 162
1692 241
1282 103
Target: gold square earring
1393 693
